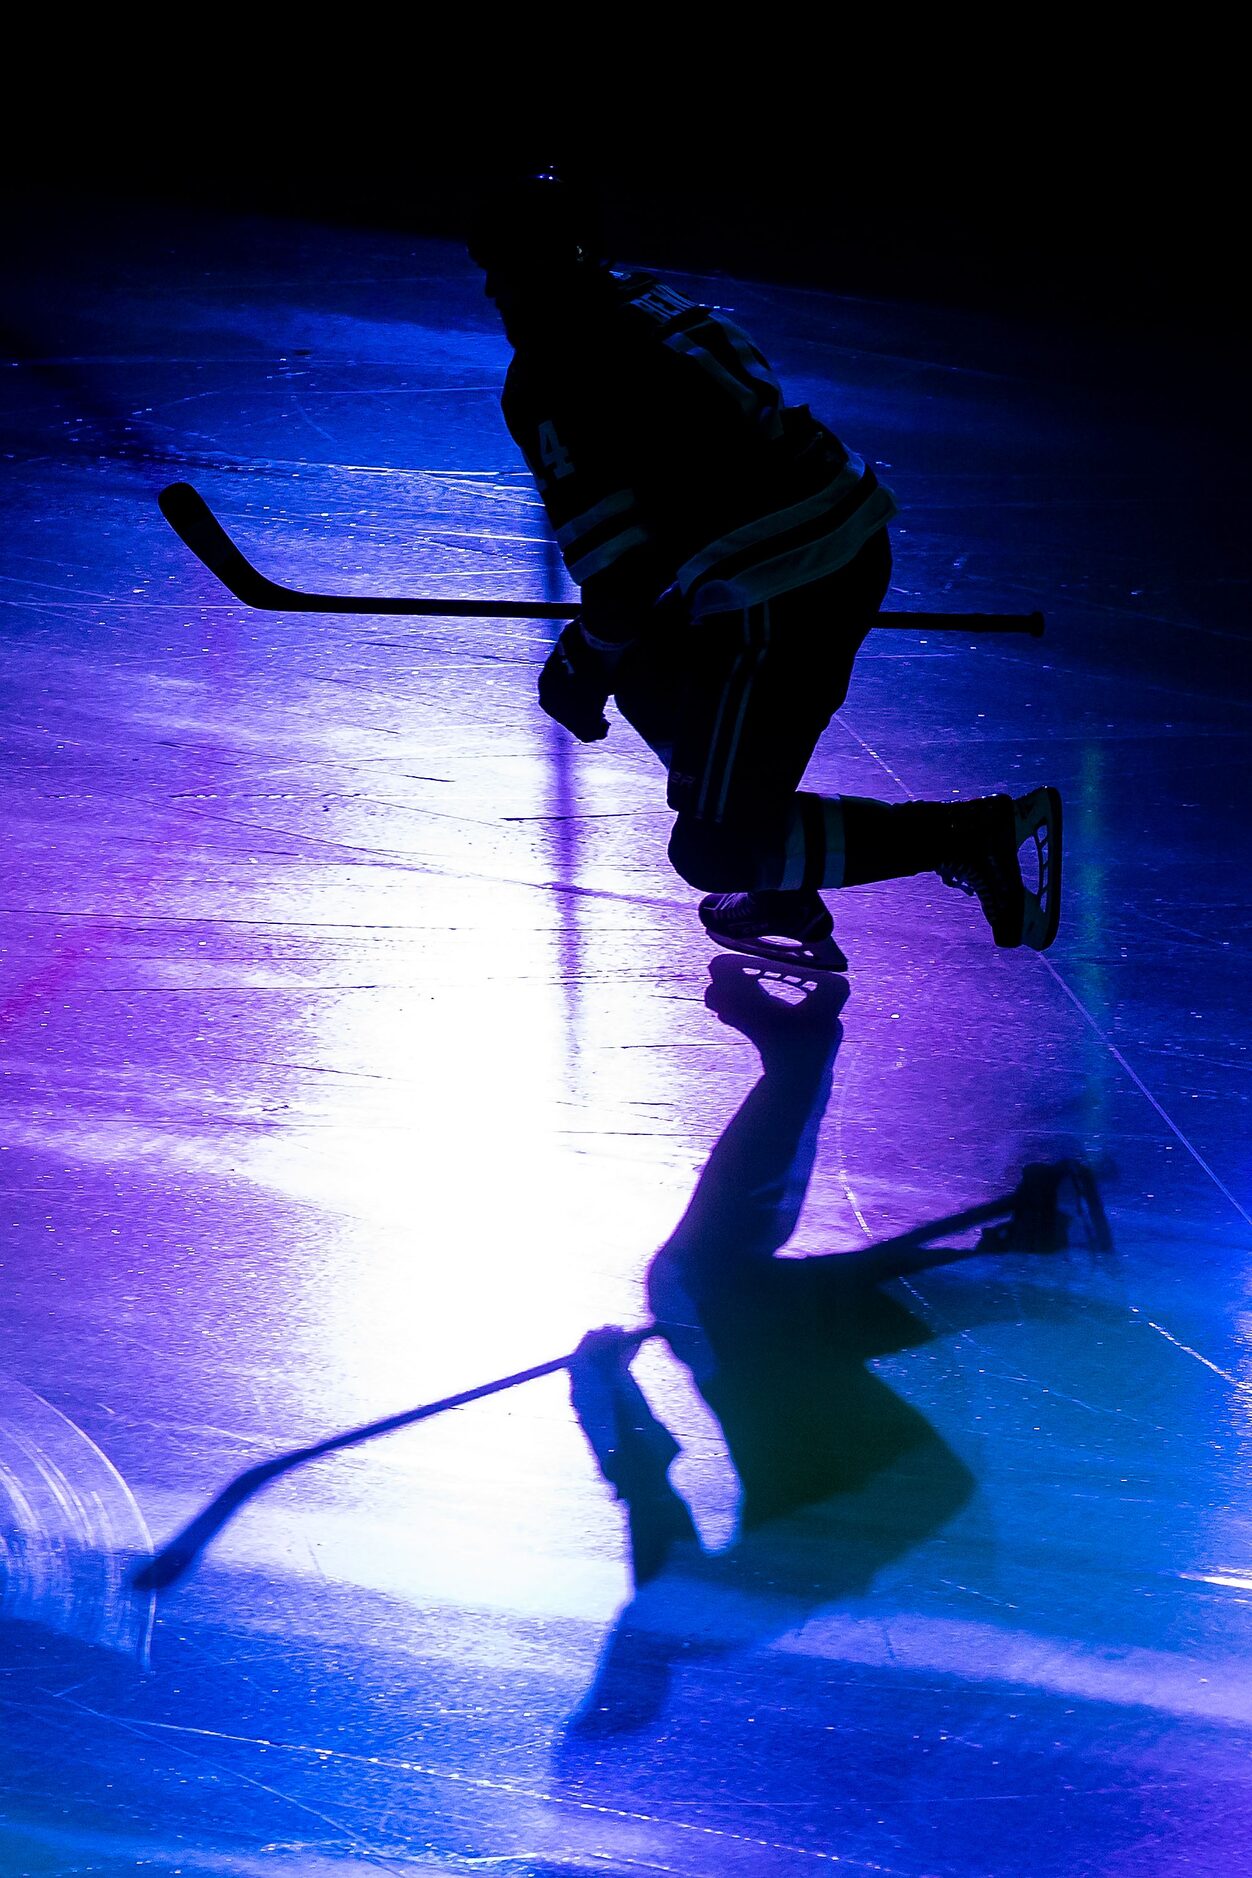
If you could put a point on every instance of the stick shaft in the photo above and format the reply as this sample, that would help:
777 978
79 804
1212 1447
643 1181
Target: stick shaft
191 518
180 1553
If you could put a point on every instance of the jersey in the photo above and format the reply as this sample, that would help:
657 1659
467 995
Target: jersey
668 461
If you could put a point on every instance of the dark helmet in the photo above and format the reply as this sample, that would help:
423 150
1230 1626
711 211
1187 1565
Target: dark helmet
532 224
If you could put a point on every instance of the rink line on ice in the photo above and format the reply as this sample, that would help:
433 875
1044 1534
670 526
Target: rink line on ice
1147 1094
1078 1004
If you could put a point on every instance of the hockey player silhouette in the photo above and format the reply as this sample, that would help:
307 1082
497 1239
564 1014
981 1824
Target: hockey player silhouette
840 1475
731 553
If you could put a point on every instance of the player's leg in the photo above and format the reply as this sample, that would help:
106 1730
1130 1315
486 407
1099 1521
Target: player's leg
654 679
740 829
771 680
735 707
971 845
675 690
764 848
850 841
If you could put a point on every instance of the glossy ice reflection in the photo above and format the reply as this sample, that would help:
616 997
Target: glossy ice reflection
359 1049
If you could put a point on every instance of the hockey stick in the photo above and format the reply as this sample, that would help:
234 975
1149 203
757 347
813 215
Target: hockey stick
179 1554
194 522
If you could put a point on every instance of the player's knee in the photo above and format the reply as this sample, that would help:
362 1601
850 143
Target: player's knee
710 855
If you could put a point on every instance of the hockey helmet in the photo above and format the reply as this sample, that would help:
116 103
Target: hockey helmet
528 225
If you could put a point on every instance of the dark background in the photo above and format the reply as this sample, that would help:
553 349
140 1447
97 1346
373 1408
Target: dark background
1014 163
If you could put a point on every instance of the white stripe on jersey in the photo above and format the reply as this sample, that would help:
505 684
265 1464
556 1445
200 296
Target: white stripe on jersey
798 567
755 389
778 522
571 533
604 556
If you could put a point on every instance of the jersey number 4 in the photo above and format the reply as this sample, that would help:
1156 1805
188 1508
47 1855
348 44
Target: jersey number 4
552 451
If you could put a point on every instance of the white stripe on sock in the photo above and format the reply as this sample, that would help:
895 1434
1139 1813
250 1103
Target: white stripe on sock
796 852
832 816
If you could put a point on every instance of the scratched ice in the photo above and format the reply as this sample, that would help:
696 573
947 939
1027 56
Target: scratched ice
357 1052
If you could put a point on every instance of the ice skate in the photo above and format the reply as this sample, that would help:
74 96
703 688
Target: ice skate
775 1007
793 928
1039 1221
987 835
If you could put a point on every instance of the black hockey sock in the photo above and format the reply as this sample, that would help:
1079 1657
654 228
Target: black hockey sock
886 840
832 841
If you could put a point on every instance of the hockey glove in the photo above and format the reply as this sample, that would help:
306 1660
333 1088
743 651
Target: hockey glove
573 687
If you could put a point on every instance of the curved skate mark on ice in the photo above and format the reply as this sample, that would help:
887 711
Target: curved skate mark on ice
70 1530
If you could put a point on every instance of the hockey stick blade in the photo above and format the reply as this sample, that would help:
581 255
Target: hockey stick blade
195 524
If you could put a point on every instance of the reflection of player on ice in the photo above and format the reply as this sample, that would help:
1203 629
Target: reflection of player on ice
731 555
839 1474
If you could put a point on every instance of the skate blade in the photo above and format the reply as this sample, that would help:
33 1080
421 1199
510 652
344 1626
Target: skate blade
1038 820
822 956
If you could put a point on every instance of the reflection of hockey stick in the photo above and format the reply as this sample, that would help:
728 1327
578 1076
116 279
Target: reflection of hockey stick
1030 1219
177 1557
191 518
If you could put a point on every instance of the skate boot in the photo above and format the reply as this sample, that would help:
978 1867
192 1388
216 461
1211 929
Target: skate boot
983 861
794 927
1039 1222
